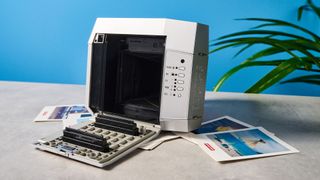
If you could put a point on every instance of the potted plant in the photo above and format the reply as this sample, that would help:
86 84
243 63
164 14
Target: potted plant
303 51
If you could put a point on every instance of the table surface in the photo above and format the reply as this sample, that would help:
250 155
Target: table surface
294 119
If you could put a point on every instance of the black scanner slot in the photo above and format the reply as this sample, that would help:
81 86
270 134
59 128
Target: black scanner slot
116 124
85 139
126 78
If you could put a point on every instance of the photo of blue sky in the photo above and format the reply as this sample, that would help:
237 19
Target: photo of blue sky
78 109
63 111
218 126
246 142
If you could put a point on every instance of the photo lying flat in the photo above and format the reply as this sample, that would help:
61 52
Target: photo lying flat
224 123
78 109
59 113
62 112
221 124
243 144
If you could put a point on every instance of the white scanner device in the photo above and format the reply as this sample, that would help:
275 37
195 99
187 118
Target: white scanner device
164 60
143 76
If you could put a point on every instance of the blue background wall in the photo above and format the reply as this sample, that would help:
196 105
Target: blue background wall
46 41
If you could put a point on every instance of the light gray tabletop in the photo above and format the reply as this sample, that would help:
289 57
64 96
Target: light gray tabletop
294 119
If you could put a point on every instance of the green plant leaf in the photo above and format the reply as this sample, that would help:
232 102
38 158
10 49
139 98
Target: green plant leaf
278 73
225 46
311 79
243 49
314 7
304 51
275 50
244 65
275 22
267 41
297 41
300 11
247 47
265 32
285 45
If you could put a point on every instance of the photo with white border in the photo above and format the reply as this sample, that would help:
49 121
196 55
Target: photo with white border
243 144
220 124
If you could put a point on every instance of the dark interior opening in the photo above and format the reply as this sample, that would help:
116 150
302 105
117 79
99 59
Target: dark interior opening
126 75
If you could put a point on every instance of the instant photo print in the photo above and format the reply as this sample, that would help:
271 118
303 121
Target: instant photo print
143 76
241 144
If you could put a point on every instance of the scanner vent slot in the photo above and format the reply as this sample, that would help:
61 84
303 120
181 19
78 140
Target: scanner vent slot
116 124
85 139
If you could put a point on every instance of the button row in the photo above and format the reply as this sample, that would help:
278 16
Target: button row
181 68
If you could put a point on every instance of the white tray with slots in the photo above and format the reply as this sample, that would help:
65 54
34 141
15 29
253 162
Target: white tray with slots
120 144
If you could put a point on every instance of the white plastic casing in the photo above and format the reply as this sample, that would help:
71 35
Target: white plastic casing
186 54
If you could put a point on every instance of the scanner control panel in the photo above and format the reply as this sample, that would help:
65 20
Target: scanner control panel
176 84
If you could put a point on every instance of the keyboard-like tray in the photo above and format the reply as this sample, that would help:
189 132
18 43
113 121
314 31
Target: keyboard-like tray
119 145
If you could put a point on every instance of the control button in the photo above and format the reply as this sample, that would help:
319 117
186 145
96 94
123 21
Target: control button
92 155
77 152
182 60
181 75
124 142
114 146
180 88
99 131
114 134
180 82
122 136
115 140
182 68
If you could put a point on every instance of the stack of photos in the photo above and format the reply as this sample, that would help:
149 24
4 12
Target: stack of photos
227 139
